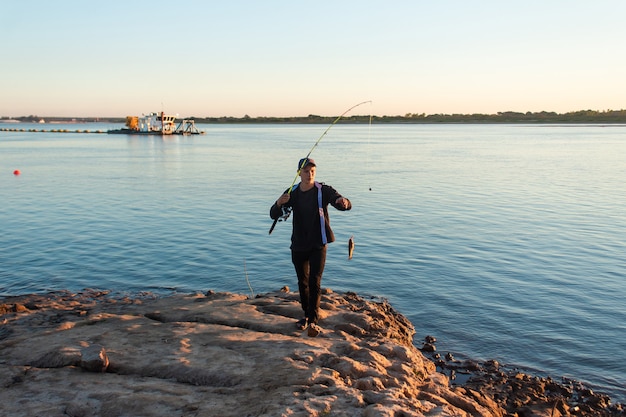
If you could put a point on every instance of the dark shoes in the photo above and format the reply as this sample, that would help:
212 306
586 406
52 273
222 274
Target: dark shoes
314 330
302 324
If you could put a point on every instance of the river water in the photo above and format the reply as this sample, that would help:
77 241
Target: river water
505 242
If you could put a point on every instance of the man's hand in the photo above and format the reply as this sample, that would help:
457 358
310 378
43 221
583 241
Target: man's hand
342 202
282 199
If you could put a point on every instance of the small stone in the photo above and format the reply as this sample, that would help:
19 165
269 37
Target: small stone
94 359
470 365
428 347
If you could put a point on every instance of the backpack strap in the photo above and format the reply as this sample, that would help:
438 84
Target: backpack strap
321 208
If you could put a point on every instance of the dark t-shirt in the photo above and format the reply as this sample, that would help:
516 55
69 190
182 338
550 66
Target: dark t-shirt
307 231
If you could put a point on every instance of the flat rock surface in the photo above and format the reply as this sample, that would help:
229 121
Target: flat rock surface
219 354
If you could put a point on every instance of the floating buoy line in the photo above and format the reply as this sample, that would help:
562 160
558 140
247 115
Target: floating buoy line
14 129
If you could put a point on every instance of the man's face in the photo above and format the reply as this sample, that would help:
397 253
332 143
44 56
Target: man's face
307 174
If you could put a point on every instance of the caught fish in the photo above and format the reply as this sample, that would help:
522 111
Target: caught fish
350 247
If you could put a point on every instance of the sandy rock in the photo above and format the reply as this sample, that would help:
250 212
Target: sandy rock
218 354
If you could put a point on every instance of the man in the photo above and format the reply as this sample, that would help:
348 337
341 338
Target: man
311 233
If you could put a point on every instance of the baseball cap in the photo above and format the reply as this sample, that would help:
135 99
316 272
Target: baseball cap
305 162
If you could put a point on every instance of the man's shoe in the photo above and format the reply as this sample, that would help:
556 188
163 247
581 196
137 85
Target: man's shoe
314 330
302 324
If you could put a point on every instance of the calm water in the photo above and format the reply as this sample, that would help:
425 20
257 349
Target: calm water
504 242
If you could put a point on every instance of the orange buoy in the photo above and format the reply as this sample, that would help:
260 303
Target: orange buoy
16 172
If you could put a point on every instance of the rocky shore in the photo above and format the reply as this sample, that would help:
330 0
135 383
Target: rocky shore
221 354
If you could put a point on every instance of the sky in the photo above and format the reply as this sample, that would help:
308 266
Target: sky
294 58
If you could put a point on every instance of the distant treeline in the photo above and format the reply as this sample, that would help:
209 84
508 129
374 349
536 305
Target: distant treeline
581 116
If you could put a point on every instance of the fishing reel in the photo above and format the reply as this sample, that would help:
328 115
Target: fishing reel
282 218
286 214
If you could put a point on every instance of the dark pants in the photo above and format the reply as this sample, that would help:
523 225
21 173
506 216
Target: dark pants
309 268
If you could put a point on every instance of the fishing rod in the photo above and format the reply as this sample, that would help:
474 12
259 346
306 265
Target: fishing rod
287 212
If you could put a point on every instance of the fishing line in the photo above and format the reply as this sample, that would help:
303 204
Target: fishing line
304 160
351 243
245 271
369 137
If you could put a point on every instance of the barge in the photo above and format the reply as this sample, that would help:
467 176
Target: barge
157 124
